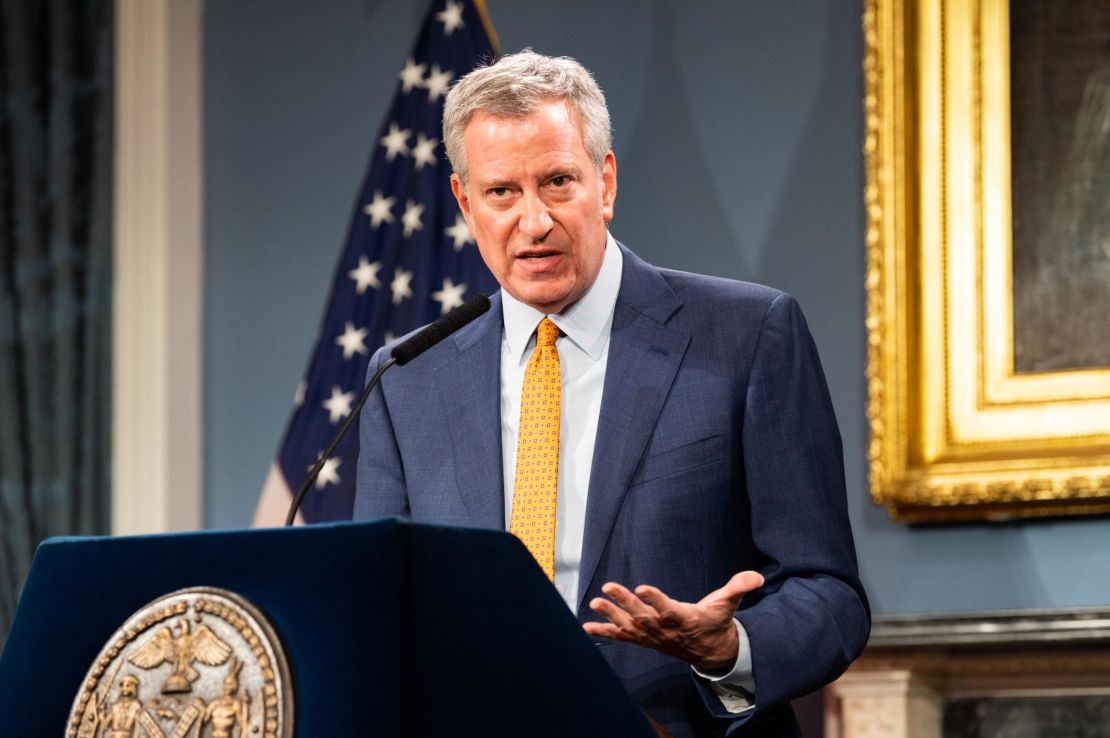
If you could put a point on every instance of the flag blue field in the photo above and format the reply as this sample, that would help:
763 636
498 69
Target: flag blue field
407 260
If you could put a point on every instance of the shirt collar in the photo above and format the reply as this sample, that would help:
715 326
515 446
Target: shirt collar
586 322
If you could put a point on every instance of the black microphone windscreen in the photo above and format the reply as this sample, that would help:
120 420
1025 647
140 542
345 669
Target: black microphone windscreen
440 329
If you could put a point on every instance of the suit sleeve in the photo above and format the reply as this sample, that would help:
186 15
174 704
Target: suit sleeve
380 481
811 618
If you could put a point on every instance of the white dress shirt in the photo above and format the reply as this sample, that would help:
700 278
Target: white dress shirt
583 355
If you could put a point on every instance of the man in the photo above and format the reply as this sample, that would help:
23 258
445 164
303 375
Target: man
229 710
633 426
120 720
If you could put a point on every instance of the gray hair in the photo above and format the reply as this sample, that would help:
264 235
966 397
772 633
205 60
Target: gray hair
512 87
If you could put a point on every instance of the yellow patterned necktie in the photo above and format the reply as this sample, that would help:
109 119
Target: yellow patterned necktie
537 451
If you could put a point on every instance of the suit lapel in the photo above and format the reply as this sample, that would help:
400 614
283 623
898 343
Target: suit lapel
469 386
644 356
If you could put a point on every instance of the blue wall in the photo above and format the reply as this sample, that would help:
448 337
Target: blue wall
738 128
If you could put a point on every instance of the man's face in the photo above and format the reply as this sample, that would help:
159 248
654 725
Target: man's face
536 204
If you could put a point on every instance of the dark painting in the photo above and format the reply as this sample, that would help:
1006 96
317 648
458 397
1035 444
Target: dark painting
1060 113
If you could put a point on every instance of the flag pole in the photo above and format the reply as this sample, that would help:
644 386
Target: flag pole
491 32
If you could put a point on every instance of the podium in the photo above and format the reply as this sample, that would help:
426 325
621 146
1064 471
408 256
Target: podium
391 629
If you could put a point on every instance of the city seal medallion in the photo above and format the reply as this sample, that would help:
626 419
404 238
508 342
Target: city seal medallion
195 663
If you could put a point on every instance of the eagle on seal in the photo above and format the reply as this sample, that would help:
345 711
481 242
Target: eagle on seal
181 648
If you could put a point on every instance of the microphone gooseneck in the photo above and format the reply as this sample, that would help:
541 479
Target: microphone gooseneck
401 354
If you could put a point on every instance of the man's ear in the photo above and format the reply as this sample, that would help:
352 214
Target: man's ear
458 189
608 185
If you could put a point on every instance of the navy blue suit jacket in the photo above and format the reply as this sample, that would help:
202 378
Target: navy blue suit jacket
717 451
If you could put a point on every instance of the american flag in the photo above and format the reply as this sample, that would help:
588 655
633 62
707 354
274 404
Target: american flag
407 260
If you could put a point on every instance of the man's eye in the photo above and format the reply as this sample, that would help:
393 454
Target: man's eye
498 191
560 181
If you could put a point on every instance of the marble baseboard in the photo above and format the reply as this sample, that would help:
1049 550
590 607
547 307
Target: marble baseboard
1027 674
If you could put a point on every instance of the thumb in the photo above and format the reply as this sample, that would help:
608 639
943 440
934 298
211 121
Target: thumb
729 596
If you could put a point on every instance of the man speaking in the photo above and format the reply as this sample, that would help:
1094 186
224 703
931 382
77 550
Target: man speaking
663 443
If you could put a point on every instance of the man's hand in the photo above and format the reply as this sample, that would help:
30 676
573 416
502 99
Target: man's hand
701 634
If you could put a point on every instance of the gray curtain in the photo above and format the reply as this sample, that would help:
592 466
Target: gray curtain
56 60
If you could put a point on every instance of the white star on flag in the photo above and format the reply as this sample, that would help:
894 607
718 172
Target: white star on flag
353 341
396 142
459 232
451 17
328 474
412 75
424 151
437 82
400 285
381 209
411 218
365 275
298 394
451 296
339 404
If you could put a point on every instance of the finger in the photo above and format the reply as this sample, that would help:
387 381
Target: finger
613 613
670 611
645 616
610 631
596 628
630 602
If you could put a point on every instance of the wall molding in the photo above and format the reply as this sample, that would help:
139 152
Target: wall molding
157 293
1084 624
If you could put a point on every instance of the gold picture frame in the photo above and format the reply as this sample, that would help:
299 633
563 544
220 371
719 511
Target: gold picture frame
955 432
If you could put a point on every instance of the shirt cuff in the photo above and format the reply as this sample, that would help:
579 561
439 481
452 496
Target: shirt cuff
736 689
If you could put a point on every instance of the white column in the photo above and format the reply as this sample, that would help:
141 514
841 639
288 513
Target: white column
156 364
882 704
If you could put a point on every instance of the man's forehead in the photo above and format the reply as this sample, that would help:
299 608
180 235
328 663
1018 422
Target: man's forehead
499 146
546 108
492 170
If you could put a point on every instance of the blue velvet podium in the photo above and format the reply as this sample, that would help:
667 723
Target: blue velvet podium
391 628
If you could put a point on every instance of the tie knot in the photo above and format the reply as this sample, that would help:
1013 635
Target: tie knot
546 333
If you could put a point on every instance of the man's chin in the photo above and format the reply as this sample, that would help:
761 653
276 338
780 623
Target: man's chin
547 303
544 294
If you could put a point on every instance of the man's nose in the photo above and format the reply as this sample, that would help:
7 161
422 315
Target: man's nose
535 220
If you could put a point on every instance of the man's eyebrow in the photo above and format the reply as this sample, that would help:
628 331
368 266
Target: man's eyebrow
493 182
559 170
556 170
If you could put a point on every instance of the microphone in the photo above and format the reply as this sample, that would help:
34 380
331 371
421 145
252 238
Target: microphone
439 330
401 354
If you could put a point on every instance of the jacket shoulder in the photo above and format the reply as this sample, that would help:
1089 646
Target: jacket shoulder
690 286
707 299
